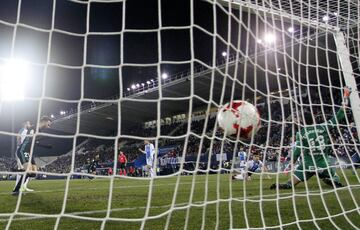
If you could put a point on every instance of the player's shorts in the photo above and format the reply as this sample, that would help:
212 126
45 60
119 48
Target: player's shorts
149 161
310 171
242 164
249 173
122 165
23 157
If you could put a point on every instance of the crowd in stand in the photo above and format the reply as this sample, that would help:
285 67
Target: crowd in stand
272 142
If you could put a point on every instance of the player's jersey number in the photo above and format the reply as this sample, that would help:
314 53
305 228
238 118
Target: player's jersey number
317 144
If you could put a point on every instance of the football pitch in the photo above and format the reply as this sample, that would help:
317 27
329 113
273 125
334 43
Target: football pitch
200 202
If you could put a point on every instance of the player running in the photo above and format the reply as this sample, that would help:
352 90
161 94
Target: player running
23 154
312 144
150 153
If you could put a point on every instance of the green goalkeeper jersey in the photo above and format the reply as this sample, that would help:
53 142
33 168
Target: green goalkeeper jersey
313 142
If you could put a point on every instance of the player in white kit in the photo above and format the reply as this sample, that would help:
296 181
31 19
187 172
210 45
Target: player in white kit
150 154
242 158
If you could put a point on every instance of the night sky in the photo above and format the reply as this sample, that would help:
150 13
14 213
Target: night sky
105 50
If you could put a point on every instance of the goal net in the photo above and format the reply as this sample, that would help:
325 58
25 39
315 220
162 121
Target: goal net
117 76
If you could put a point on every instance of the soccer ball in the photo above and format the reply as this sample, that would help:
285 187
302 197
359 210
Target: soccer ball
239 117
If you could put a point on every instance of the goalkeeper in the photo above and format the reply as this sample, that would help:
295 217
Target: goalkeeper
312 144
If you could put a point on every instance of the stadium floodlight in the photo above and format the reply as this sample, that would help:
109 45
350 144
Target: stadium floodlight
148 82
336 14
137 85
152 80
52 116
291 29
128 89
142 84
164 76
14 75
224 54
259 41
278 69
62 112
325 18
133 86
269 38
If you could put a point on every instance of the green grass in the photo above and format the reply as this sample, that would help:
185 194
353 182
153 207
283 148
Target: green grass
253 204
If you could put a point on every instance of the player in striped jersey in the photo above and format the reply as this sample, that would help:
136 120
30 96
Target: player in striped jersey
150 154
312 144
242 158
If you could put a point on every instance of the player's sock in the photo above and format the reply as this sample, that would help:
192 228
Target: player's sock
20 182
281 186
329 182
17 180
26 183
152 172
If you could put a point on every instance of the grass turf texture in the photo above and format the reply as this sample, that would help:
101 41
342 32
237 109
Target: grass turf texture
253 205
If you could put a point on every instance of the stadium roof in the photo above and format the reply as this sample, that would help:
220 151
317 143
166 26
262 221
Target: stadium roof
141 106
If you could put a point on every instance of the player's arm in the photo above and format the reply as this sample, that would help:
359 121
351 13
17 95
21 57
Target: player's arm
265 168
340 115
297 150
143 151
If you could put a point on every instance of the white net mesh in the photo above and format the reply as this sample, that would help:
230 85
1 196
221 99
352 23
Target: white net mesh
121 72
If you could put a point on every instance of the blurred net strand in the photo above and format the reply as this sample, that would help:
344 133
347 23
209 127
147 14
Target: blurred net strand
214 68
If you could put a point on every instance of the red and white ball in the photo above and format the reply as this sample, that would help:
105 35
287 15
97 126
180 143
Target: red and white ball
239 117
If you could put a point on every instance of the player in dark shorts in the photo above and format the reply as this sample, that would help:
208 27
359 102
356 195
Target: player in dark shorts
122 163
23 154
312 144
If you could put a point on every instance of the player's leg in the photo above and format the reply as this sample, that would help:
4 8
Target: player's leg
330 178
24 159
18 168
124 169
120 170
239 174
31 175
248 175
299 176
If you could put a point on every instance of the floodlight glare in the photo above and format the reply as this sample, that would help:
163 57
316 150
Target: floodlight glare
133 86
164 76
269 38
259 41
128 89
325 18
142 84
137 85
14 75
224 54
148 82
52 116
291 29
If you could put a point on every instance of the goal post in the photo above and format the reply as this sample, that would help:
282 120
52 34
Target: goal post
349 77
